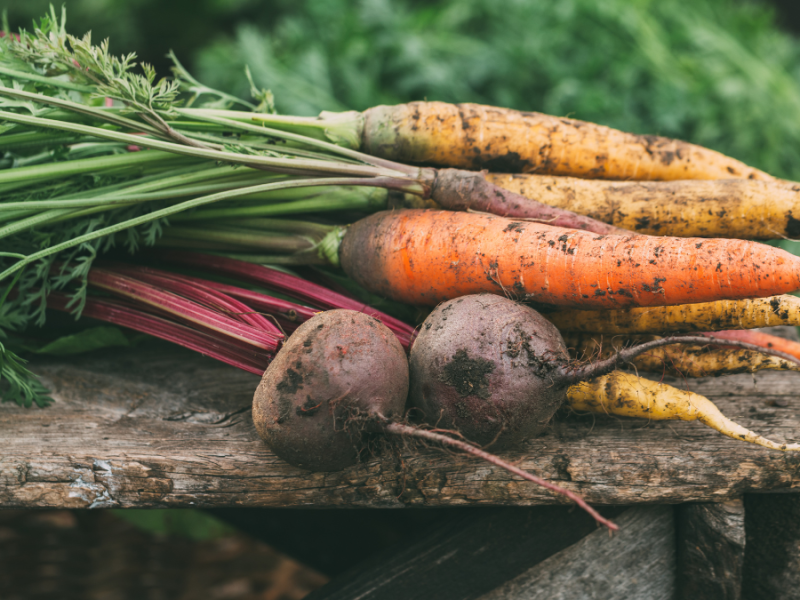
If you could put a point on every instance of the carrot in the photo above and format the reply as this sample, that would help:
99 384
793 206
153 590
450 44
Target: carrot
626 395
472 136
705 316
681 361
734 208
425 256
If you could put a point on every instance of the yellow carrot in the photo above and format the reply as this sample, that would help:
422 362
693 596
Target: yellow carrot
734 208
626 395
704 316
477 137
678 360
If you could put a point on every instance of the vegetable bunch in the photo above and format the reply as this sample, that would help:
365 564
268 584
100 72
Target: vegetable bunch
586 222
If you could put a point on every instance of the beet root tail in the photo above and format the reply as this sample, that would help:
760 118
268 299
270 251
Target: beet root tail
401 429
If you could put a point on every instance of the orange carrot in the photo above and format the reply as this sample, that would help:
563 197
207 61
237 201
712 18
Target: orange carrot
425 256
472 136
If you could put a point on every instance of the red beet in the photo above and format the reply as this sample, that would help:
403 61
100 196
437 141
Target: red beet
323 391
488 367
343 376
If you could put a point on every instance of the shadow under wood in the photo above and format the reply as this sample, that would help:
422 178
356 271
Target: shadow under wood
332 541
772 548
463 554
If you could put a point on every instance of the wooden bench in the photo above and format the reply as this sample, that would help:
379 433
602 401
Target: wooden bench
161 427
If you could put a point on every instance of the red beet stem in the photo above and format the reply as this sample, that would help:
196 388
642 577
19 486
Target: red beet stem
199 291
290 315
182 308
407 430
290 285
214 346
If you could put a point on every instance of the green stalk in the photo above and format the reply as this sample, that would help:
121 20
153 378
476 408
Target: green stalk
67 85
161 178
26 175
323 145
34 220
307 228
343 129
75 107
158 214
33 139
300 166
10 215
288 260
344 198
242 238
132 195
289 147
54 216
298 259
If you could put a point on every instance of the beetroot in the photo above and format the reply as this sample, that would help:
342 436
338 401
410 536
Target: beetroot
339 369
339 379
488 367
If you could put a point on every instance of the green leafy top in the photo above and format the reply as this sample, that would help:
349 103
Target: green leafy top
73 114
51 51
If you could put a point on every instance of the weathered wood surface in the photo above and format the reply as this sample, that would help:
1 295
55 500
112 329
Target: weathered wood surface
636 562
159 426
711 543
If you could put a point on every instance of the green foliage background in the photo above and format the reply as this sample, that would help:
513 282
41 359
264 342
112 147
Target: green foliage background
715 72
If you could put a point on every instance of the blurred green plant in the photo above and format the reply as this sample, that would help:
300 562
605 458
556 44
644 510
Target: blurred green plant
181 522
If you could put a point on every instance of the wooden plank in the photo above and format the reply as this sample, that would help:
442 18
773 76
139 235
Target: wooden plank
159 426
711 546
636 562
772 553
467 555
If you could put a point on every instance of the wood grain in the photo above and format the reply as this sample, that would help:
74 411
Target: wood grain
158 426
711 548
636 562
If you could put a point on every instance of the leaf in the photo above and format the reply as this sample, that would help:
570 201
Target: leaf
18 384
95 338
186 523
